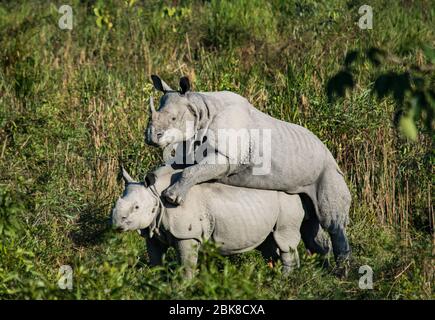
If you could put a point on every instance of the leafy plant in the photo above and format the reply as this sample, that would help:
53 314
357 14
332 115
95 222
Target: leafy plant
104 19
73 104
412 88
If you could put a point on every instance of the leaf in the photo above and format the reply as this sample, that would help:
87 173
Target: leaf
350 58
338 84
97 12
375 55
392 82
99 22
407 127
382 85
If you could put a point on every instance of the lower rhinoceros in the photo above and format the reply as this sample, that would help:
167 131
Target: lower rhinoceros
236 219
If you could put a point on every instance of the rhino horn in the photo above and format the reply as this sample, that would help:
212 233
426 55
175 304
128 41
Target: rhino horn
152 109
127 178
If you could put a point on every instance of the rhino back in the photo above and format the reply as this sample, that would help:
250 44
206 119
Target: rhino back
243 218
297 156
297 152
237 219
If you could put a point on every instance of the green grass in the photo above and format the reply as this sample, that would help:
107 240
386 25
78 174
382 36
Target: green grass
73 104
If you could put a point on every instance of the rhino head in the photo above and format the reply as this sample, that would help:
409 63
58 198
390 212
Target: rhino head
137 208
175 119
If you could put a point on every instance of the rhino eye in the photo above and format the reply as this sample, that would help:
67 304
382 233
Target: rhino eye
174 118
136 207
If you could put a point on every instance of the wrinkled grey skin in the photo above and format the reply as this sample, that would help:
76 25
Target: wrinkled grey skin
300 164
236 219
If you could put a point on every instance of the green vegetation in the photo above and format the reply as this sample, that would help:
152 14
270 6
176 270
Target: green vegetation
73 105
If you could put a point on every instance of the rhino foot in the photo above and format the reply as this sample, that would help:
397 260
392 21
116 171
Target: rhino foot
342 267
174 195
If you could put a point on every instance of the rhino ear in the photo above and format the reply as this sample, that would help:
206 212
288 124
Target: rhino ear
184 85
150 179
159 84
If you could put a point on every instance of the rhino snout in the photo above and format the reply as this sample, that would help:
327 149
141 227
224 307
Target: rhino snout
152 136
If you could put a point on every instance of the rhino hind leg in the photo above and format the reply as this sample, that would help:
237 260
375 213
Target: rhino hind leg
333 200
269 249
290 260
271 253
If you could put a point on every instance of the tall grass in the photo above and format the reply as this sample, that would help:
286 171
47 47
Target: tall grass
73 105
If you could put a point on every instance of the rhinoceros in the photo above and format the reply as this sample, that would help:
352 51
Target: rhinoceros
236 219
299 163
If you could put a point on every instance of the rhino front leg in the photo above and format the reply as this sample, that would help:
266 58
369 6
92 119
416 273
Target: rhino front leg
290 261
187 251
210 168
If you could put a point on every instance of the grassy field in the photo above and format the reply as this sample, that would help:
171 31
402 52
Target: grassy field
73 105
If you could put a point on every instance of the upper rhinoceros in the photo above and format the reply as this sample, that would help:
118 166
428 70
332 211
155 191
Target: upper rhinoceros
248 148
